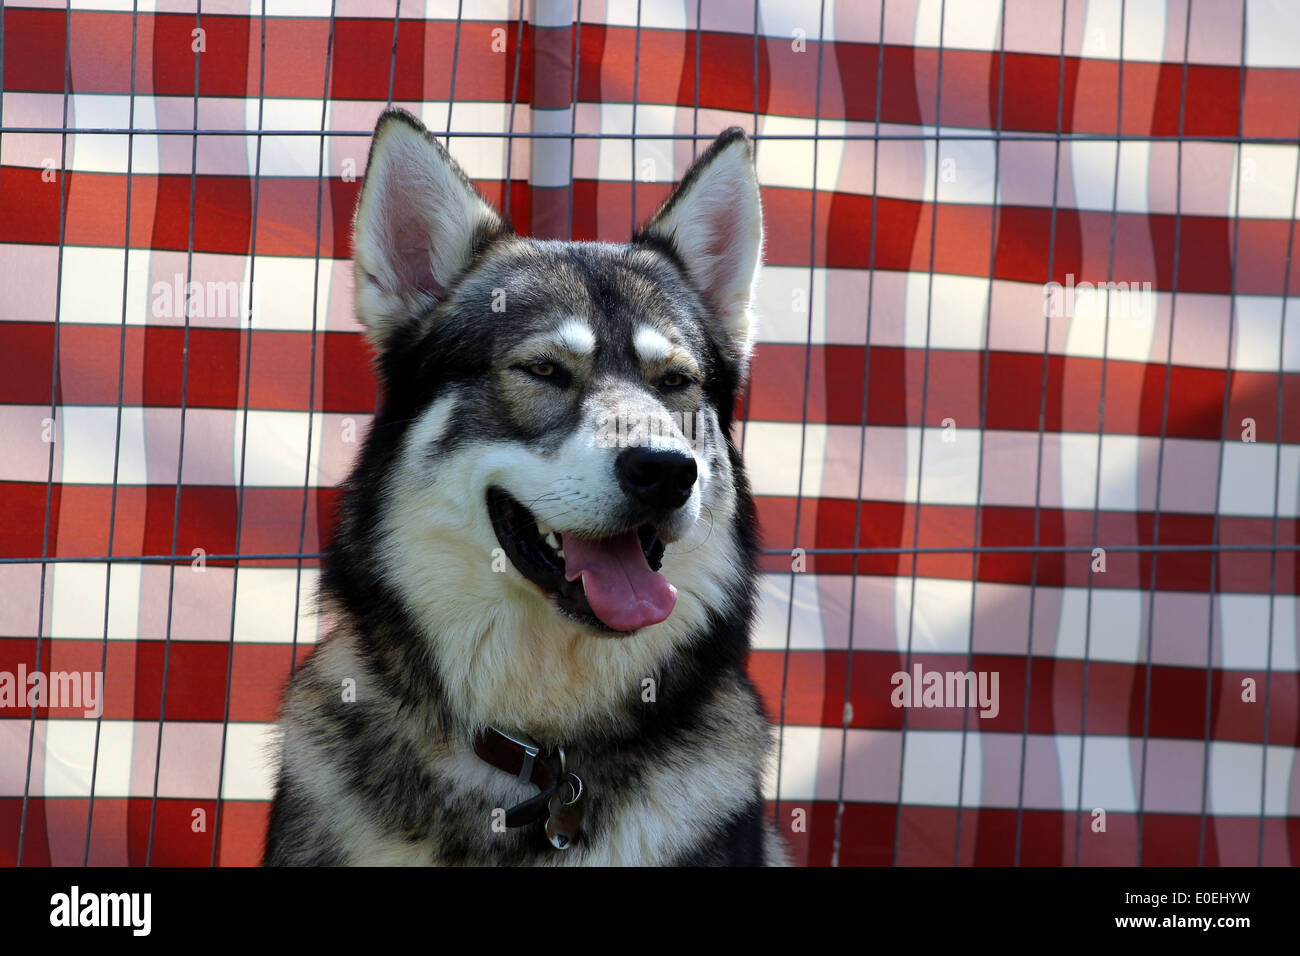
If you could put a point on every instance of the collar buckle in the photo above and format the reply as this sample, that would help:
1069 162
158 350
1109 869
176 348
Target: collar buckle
531 750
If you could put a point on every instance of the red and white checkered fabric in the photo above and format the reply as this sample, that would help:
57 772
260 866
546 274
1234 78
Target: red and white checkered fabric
925 291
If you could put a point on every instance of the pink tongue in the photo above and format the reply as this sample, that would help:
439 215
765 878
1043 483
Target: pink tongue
620 587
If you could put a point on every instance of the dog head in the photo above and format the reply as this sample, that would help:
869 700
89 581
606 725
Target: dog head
553 455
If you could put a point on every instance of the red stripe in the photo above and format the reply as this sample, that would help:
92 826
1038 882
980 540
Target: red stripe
829 523
196 676
183 830
813 686
223 212
928 836
814 696
80 514
96 212
296 49
90 367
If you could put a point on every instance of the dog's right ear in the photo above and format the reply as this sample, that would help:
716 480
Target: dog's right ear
418 224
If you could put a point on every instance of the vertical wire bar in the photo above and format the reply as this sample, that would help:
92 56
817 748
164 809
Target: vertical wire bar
1223 441
636 77
803 426
54 400
695 114
321 180
1277 488
117 428
754 143
1164 424
392 63
573 110
451 99
1042 427
925 394
862 454
455 60
243 430
514 100
180 451
984 400
1101 435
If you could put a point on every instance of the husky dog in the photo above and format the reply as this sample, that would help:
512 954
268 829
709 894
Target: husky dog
543 575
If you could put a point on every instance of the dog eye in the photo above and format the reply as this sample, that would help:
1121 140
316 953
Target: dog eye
552 373
675 380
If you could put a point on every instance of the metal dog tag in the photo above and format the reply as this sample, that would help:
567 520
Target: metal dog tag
565 820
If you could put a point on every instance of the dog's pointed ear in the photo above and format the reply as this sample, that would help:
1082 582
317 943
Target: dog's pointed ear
714 222
418 224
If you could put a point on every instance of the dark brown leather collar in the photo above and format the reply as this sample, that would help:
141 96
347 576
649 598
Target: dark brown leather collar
529 763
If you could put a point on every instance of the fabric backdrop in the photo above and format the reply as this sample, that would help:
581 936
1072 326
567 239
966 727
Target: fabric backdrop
938 443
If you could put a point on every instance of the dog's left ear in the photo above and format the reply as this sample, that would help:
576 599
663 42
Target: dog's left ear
419 222
714 221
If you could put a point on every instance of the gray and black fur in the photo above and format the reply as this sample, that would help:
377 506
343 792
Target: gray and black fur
661 723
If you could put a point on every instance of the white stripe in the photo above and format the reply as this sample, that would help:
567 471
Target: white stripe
77 601
807 629
931 769
1143 31
774 443
810 769
936 619
481 157
1236 774
266 600
1109 773
552 13
551 157
1265 176
252 762
805 753
1117 623
275 448
218 294
87 436
201 607
1271 30
1278 785
789 162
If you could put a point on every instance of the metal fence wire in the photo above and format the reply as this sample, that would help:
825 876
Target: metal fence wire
1024 318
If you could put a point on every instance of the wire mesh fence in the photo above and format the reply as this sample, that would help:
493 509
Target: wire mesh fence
1017 411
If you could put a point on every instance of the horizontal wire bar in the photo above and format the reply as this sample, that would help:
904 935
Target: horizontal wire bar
797 137
954 549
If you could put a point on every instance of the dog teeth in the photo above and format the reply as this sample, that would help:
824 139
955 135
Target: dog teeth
543 529
559 552
550 539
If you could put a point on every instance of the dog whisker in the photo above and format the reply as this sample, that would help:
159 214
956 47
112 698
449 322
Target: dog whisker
704 510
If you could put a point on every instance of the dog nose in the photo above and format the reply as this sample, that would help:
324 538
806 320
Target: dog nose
656 476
